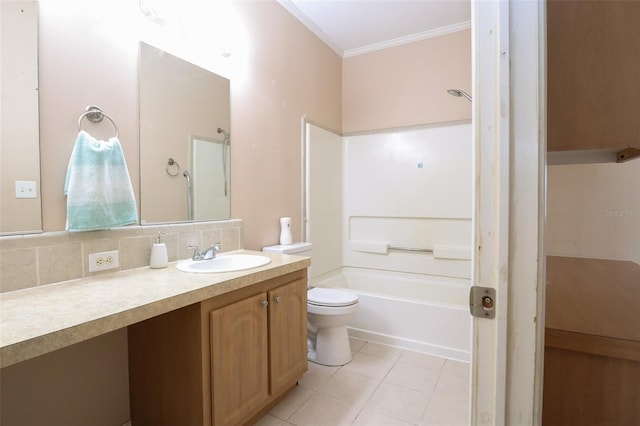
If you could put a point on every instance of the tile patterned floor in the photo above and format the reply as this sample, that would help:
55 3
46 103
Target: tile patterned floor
381 386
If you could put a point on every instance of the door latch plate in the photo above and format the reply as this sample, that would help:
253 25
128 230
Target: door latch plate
482 302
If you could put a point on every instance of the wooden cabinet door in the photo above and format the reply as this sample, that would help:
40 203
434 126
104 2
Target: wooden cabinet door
239 364
288 334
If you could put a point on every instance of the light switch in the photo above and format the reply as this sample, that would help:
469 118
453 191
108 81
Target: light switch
26 189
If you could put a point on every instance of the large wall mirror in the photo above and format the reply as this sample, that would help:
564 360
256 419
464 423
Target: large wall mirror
184 140
20 201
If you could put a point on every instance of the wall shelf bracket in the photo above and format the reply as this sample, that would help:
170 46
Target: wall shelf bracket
627 154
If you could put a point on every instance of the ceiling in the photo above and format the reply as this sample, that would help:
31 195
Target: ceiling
353 27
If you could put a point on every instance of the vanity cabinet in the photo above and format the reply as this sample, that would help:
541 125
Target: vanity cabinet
258 349
223 361
593 83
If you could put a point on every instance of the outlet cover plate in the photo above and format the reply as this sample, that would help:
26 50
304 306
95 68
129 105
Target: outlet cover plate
104 260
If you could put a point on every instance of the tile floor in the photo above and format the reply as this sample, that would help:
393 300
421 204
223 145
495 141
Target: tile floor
381 386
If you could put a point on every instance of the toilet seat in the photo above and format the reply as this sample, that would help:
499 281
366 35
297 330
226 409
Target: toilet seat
330 297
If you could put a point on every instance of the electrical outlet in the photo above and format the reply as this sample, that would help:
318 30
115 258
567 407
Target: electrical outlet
104 260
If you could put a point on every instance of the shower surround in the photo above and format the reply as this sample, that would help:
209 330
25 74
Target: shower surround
389 216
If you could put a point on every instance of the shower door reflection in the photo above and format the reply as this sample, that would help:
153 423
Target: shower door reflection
209 164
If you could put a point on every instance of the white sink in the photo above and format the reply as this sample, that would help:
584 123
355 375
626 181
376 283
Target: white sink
224 263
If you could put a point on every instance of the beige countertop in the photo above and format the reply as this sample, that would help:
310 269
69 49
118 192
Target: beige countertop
42 319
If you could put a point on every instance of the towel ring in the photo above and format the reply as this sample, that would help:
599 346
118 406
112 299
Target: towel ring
173 163
95 115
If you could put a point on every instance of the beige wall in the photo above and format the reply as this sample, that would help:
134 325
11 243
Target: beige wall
292 73
88 55
407 85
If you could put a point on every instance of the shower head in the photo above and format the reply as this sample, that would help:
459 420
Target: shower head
226 135
459 93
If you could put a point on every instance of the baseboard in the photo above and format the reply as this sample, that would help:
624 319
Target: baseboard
441 351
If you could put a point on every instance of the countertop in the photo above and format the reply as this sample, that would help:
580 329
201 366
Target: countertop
42 319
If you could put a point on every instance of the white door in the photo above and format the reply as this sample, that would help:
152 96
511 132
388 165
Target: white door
508 117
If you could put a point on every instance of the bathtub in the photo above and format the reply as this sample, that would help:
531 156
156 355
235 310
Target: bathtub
419 312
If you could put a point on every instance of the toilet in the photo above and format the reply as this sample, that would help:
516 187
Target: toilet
329 311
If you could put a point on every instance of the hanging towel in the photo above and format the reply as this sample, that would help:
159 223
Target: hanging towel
97 186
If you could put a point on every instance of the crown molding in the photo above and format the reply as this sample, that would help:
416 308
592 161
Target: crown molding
297 13
408 39
291 8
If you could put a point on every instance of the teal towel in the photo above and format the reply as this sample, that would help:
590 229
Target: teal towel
97 186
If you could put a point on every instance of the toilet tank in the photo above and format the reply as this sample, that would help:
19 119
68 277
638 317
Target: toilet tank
298 249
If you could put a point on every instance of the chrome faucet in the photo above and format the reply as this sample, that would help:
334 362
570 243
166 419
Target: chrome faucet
207 254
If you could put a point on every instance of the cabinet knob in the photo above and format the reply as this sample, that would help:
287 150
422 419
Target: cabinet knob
278 299
264 303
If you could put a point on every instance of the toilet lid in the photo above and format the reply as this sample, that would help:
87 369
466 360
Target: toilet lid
331 297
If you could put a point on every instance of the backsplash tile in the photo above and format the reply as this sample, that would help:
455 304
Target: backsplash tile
186 239
18 269
61 262
38 259
135 252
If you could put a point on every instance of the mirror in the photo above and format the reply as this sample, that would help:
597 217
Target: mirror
184 140
20 206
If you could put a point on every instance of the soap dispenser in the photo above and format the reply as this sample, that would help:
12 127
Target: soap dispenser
159 258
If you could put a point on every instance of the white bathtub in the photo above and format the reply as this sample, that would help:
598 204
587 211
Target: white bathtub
413 311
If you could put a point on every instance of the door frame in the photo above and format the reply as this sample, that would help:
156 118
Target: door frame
509 209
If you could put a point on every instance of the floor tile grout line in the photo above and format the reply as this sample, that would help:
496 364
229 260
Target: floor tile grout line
433 391
378 383
382 380
312 393
364 403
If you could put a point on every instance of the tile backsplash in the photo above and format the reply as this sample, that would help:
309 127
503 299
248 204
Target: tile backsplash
39 259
